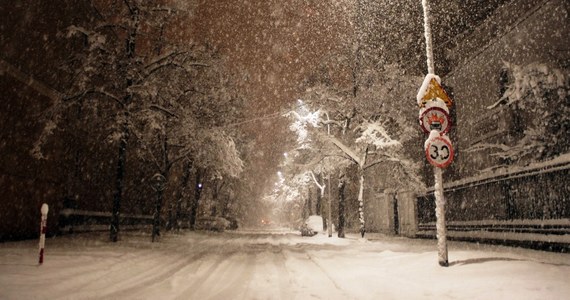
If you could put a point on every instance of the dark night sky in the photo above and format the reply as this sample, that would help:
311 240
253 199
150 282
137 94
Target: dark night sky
272 45
275 44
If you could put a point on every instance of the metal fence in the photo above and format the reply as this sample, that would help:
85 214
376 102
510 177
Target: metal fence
529 194
530 207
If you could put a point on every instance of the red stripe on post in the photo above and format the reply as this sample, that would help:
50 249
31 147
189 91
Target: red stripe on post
42 256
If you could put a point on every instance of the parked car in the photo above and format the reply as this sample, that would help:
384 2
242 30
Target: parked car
212 223
311 226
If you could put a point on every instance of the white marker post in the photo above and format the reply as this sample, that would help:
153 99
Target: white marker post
43 227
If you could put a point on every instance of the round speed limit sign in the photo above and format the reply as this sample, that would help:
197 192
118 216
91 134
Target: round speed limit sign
439 151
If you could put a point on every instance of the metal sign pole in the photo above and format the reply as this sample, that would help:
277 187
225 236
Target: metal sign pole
439 198
427 34
441 230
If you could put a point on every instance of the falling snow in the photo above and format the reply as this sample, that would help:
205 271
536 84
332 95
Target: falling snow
182 146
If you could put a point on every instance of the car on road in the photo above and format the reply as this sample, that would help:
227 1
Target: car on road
311 226
212 223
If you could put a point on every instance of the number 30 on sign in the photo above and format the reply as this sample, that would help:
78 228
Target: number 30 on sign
439 151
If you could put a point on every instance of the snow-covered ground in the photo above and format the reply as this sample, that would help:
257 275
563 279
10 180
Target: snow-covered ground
276 265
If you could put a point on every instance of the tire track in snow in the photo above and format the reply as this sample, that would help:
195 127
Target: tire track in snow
307 277
271 279
203 279
154 276
235 284
198 247
85 273
242 270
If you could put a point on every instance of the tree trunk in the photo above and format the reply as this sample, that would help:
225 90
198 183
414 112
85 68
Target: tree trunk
226 206
304 211
341 205
319 204
180 194
361 204
117 196
309 202
194 206
156 219
164 173
320 194
119 185
329 227
218 185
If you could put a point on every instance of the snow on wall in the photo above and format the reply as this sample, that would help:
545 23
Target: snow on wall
527 36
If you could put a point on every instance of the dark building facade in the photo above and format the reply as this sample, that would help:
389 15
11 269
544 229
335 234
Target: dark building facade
509 77
510 82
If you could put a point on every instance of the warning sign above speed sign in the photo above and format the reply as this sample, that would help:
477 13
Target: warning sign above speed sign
439 151
435 118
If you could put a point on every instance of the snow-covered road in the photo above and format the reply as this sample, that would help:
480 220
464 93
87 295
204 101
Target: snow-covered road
276 265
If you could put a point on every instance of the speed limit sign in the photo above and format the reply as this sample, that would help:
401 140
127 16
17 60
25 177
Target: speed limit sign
439 151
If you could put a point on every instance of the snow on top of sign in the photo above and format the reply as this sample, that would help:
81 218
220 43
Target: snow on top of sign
423 89
434 103
433 135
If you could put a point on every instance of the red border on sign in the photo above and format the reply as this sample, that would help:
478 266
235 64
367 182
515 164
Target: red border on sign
451 153
429 110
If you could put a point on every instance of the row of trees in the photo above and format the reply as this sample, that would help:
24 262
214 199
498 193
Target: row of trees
357 118
162 103
356 122
351 130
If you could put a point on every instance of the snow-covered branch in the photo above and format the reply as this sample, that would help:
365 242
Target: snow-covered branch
332 122
98 91
376 135
95 40
321 186
344 148
538 94
164 110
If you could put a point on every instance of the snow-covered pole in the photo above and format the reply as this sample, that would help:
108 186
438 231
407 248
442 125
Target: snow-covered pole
441 231
427 34
43 227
